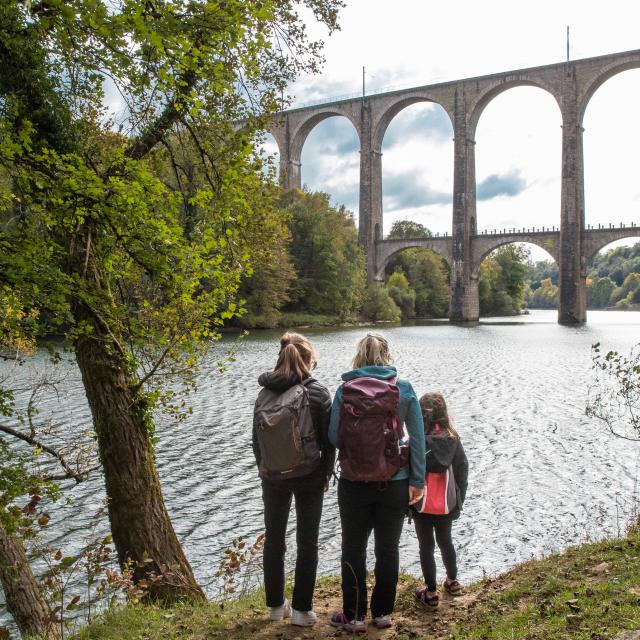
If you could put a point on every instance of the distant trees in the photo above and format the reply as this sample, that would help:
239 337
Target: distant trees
327 258
426 274
316 268
613 278
544 297
613 281
503 281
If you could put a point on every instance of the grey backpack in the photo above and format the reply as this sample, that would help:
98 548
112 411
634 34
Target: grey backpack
286 436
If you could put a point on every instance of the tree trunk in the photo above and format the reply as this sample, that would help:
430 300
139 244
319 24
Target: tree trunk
140 525
22 594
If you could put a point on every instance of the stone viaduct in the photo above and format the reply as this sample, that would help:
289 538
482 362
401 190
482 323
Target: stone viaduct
572 84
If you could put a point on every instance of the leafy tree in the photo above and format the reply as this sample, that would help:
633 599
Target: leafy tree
379 305
599 292
402 294
427 273
267 289
542 270
95 238
408 229
327 258
503 281
544 297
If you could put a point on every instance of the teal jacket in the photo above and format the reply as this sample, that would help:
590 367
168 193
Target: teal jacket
408 412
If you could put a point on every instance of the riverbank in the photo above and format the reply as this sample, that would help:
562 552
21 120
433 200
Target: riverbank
590 591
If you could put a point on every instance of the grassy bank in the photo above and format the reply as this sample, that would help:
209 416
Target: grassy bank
589 592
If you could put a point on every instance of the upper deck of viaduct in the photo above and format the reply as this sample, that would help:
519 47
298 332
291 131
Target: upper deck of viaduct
291 128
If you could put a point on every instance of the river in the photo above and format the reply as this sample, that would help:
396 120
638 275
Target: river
542 474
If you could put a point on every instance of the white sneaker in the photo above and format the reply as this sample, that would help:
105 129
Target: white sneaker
303 618
281 612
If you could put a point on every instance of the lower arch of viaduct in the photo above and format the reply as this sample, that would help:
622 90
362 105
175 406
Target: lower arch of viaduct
572 84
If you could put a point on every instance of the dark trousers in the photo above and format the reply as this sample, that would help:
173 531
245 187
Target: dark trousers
367 506
426 525
277 494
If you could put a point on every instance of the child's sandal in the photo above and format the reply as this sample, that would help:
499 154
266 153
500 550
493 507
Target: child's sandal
452 587
424 597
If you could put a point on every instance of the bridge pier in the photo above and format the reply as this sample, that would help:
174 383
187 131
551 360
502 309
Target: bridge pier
370 204
465 302
572 303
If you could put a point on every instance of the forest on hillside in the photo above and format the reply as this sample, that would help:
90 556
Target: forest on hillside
316 274
613 281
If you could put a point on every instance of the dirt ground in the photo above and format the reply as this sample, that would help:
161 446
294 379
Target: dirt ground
410 619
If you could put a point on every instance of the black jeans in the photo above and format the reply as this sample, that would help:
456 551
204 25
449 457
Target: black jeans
367 506
426 524
276 495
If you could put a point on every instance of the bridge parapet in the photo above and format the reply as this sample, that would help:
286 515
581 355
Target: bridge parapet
596 239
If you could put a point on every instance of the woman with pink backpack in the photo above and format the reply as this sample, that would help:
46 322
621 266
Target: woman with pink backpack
377 481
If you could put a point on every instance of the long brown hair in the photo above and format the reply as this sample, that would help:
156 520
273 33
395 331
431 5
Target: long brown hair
297 356
434 412
373 349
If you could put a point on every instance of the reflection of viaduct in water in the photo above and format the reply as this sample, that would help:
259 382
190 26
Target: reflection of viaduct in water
572 84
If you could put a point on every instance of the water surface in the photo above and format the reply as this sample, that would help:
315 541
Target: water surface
542 474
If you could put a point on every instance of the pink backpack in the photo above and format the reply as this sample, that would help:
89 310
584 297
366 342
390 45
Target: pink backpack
440 495
440 492
370 431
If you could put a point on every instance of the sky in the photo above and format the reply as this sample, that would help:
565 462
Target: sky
409 43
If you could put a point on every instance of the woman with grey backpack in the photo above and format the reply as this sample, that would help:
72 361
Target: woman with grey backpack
295 460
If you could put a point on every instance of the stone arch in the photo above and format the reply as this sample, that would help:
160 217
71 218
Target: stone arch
304 128
596 242
392 110
388 248
482 250
605 74
494 90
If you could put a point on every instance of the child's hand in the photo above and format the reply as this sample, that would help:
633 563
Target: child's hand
415 494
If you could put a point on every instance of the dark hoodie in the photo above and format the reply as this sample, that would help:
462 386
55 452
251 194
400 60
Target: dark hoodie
320 406
445 450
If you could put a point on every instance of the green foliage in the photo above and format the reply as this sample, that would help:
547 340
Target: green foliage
545 296
142 237
408 229
21 493
426 272
398 280
379 306
503 281
599 292
328 261
613 278
402 295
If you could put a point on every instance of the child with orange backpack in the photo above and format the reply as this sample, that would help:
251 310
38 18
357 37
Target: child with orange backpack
445 491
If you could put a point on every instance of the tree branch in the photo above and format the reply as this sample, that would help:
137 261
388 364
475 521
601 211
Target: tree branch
34 442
